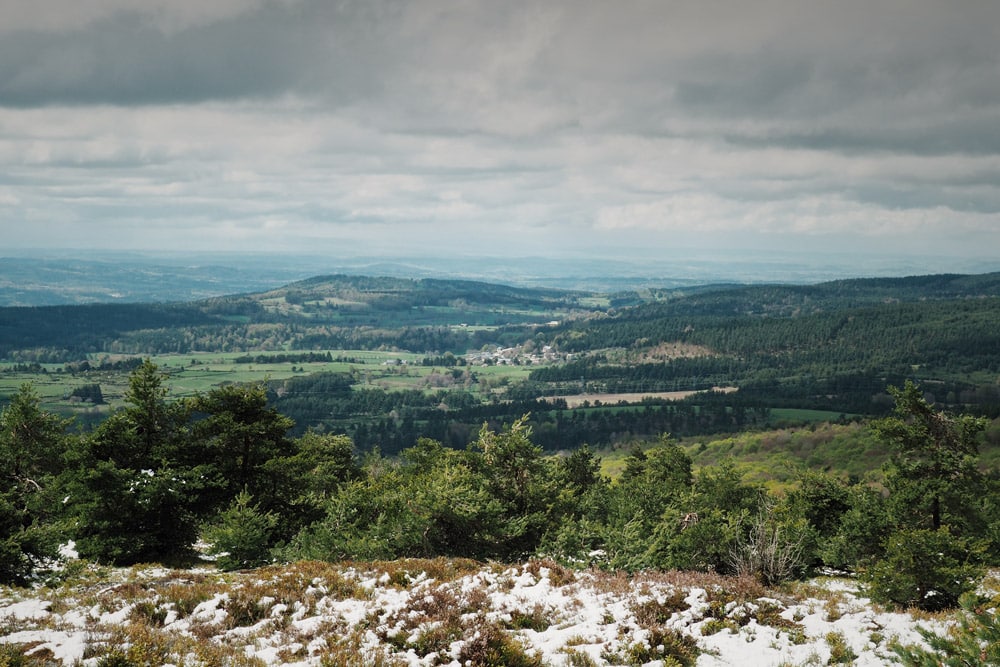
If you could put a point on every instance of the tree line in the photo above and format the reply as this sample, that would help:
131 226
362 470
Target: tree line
393 420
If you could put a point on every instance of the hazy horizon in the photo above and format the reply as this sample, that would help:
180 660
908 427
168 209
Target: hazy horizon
155 275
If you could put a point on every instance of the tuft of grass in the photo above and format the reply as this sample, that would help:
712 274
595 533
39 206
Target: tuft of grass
576 658
243 607
769 613
16 655
185 597
148 612
716 625
535 618
668 645
841 652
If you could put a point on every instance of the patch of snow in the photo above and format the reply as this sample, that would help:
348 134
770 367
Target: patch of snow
65 647
68 551
595 614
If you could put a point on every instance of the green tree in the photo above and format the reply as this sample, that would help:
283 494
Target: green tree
306 479
823 499
240 433
862 530
521 480
935 502
698 529
366 519
929 569
31 447
652 483
135 488
974 641
241 536
932 476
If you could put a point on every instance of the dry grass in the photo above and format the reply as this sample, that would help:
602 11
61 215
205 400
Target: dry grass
558 574
440 610
406 570
653 612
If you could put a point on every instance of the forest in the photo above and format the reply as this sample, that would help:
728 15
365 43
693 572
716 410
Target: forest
161 473
475 452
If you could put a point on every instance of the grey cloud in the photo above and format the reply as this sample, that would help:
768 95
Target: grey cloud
514 116
125 60
972 136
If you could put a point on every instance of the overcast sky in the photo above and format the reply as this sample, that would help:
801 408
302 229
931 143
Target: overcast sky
541 127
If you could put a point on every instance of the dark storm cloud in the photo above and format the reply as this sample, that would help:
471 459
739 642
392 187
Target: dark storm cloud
126 59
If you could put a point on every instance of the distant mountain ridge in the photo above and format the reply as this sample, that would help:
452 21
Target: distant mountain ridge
81 277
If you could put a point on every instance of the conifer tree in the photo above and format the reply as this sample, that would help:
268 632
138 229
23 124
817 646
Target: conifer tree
31 444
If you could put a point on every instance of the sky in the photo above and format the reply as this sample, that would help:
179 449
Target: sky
560 128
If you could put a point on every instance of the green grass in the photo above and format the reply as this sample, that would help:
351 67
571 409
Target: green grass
774 458
197 373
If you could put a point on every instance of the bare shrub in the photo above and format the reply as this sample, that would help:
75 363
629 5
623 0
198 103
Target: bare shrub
769 549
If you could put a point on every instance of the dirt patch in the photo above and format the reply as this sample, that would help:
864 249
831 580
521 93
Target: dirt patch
675 350
576 400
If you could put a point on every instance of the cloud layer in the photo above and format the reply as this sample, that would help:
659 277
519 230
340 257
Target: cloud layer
559 127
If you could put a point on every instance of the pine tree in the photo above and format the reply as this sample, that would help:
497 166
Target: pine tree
31 444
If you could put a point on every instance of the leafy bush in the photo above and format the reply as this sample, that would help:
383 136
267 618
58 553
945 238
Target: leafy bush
841 652
862 533
704 544
669 645
929 569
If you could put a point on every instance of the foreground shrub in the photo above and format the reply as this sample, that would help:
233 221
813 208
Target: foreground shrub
242 535
974 641
492 646
771 548
929 569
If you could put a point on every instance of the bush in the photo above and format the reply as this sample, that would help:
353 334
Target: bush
929 569
241 537
974 641
493 647
771 549
704 544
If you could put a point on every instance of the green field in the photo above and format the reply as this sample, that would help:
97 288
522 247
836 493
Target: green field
196 373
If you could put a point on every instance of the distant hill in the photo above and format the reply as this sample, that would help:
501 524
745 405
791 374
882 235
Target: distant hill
76 281
393 304
361 310
71 277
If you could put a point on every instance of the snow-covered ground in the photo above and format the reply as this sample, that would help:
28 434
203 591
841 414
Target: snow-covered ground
445 612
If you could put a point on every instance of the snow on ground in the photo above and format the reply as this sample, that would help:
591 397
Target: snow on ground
441 612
